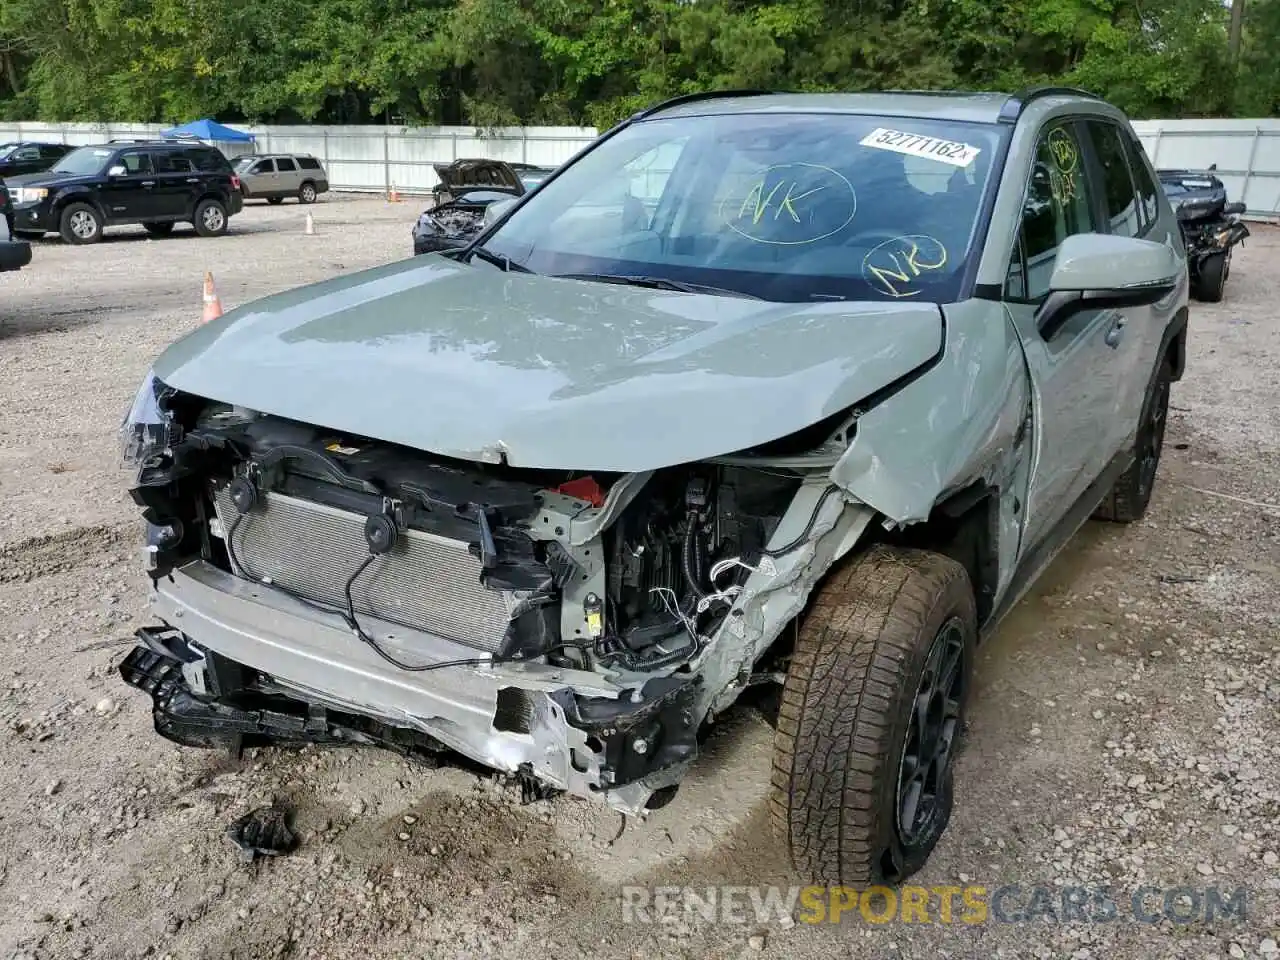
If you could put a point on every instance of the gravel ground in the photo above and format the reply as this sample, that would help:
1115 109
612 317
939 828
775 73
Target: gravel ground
1125 730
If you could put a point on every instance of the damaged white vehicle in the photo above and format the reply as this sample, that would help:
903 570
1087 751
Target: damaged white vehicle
758 390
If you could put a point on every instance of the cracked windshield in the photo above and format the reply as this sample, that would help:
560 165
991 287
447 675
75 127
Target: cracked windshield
786 208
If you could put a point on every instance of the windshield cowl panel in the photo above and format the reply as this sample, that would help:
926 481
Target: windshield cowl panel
784 207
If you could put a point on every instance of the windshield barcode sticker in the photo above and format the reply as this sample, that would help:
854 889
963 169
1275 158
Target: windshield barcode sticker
917 145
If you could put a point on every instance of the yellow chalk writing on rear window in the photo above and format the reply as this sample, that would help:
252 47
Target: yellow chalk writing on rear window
918 145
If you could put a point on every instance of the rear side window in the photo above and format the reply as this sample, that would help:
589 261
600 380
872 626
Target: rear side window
1117 184
285 165
1057 205
1142 179
208 160
52 151
308 163
171 163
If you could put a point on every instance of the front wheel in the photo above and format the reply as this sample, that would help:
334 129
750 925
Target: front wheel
871 715
210 219
80 223
307 193
1211 279
1127 501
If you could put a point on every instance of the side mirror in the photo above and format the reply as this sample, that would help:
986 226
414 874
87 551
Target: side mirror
496 211
117 171
1095 271
1234 209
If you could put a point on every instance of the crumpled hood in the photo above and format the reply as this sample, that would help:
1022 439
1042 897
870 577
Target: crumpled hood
471 362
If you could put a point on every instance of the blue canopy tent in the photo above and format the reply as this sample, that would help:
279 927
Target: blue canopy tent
208 130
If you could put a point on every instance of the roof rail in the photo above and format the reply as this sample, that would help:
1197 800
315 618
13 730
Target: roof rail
1014 106
939 93
147 139
695 97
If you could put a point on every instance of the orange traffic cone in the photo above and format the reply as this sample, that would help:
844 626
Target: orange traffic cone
393 196
212 305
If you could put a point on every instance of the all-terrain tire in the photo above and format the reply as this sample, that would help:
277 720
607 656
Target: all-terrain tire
1127 501
867 643
210 218
1211 280
80 223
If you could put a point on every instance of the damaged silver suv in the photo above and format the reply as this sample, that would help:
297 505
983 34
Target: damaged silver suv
760 389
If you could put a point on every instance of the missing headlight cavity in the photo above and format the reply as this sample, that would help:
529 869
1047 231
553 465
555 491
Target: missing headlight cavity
677 557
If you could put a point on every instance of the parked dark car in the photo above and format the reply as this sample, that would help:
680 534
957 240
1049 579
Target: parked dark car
1210 227
155 183
14 254
27 156
531 174
465 191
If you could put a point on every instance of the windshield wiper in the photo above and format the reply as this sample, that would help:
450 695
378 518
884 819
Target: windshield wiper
498 260
658 283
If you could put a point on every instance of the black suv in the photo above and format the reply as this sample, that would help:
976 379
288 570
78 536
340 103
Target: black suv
155 183
28 156
14 254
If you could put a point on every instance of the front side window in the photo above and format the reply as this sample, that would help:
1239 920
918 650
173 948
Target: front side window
1117 183
787 207
27 153
264 166
1057 205
135 164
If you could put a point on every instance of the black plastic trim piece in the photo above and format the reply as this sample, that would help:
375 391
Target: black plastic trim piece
1041 554
695 97
1014 106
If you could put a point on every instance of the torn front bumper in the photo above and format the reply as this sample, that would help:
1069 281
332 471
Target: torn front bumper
568 729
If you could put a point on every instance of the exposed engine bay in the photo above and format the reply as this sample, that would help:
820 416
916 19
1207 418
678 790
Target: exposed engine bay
448 226
620 581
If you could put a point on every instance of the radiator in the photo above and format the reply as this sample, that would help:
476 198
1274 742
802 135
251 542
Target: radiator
426 582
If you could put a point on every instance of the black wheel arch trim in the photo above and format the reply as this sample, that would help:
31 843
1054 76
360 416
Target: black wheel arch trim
75 195
1174 346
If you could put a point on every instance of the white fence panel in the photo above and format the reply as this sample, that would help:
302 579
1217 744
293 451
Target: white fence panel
359 158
